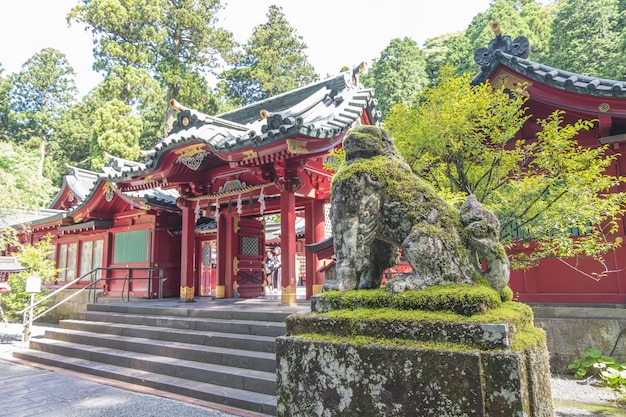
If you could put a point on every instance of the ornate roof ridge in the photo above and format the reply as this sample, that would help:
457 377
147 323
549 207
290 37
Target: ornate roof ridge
321 110
557 78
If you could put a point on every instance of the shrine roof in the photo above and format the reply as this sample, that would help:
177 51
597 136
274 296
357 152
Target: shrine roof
10 264
155 196
78 181
554 77
321 110
17 219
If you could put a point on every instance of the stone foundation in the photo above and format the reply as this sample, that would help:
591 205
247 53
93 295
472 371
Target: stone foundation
323 371
572 329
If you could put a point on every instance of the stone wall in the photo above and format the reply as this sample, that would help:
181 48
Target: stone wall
64 311
571 329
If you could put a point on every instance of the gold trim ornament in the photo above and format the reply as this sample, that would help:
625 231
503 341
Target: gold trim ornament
235 266
192 156
109 191
296 146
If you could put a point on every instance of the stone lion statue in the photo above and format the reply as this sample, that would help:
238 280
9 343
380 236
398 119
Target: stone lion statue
379 205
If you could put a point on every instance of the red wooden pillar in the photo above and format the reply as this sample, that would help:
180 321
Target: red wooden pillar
226 251
314 232
288 238
187 251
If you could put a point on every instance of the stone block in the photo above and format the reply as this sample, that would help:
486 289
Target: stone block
320 373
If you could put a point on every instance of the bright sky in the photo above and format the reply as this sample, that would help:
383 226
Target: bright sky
337 32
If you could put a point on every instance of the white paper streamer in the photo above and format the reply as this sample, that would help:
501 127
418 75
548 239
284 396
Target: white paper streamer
262 201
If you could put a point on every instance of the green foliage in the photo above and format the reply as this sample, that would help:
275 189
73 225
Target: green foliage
272 62
71 139
36 260
152 51
594 364
192 47
587 38
116 130
18 171
398 75
465 300
125 36
456 137
448 50
6 128
39 93
464 139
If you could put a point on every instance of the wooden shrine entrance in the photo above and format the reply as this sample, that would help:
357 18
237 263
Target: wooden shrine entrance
207 267
249 259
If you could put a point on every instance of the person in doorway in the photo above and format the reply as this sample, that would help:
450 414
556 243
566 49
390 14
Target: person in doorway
269 271
277 274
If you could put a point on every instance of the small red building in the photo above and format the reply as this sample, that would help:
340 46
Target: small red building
580 97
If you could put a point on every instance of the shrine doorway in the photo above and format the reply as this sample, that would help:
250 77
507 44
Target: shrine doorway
207 268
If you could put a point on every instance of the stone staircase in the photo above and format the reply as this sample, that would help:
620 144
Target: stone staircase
223 355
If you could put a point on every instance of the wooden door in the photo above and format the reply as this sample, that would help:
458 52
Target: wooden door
248 264
208 250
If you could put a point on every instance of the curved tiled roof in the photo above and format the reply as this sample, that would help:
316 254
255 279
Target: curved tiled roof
155 196
79 181
321 110
554 77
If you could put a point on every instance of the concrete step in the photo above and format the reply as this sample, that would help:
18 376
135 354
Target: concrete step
225 313
231 397
231 377
118 336
210 351
173 334
248 327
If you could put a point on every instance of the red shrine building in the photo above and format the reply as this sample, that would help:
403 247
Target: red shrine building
503 63
189 221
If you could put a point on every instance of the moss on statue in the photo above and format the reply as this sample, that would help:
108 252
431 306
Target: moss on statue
463 299
379 206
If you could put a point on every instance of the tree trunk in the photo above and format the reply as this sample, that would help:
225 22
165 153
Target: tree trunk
42 157
170 113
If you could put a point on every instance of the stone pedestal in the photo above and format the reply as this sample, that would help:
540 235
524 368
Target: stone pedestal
345 366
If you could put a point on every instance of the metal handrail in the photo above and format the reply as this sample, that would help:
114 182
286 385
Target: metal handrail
92 284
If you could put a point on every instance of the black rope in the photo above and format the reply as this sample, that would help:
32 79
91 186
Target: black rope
617 340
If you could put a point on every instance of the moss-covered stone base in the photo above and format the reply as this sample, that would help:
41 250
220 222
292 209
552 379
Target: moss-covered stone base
339 366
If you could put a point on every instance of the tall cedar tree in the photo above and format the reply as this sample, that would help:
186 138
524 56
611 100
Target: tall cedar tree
398 75
116 130
126 36
586 38
151 51
40 91
272 62
6 130
191 48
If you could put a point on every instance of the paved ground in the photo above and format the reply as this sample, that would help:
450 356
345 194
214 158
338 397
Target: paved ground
28 390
